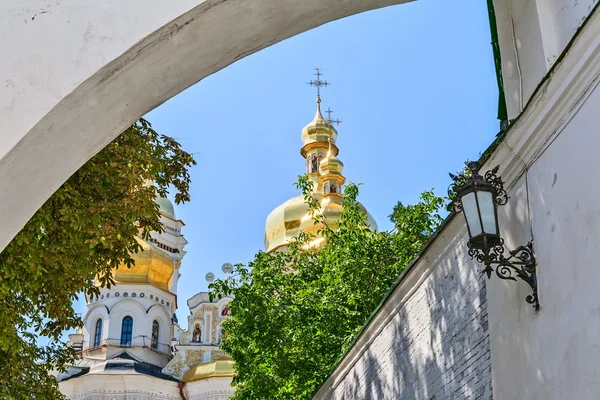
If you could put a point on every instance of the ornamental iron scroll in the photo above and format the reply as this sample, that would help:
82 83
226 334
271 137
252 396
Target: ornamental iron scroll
471 177
520 262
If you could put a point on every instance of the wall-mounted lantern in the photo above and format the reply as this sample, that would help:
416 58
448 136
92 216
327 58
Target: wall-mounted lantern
478 198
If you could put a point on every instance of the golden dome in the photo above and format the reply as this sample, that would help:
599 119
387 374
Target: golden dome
331 164
317 133
283 223
325 170
152 266
220 367
287 220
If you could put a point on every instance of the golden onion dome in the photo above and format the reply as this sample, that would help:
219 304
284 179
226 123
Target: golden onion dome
331 164
220 367
318 132
286 221
152 266
283 223
291 217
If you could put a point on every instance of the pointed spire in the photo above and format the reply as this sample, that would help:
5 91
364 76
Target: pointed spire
319 115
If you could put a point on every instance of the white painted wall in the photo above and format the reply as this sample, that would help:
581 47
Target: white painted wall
532 35
556 354
118 386
76 74
144 310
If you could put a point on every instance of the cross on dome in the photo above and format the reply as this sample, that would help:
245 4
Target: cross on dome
318 83
330 120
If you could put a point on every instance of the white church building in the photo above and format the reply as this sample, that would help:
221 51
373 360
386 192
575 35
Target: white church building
132 347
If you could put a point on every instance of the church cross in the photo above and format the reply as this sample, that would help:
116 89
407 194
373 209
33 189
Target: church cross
329 112
329 119
318 82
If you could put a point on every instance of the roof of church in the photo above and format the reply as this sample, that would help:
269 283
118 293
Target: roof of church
121 364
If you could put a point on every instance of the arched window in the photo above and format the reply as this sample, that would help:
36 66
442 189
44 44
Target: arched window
314 164
126 330
98 333
155 334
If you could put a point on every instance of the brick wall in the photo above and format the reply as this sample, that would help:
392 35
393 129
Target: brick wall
430 340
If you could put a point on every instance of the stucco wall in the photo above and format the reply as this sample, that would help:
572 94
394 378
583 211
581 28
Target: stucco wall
431 339
556 354
532 35
120 387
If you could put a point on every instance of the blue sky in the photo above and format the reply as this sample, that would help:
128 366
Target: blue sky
413 84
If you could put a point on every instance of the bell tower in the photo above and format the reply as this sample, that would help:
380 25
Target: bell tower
136 315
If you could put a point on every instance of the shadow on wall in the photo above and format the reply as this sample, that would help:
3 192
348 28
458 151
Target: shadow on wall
435 347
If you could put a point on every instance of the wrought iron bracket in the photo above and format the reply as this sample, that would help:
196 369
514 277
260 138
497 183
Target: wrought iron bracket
520 263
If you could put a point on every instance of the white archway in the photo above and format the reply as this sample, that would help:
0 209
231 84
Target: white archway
75 76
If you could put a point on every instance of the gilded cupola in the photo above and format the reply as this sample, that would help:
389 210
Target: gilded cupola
158 262
325 170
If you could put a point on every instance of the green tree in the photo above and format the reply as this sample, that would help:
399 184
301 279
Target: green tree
294 313
83 231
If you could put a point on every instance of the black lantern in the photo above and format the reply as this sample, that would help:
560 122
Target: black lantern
478 198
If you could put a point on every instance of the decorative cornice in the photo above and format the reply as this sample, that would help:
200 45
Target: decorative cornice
318 145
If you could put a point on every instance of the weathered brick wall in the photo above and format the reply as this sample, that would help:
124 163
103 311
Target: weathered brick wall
430 340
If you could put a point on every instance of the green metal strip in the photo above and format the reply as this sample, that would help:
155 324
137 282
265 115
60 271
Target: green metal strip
502 113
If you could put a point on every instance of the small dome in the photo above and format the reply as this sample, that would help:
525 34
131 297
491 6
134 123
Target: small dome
166 206
331 164
319 130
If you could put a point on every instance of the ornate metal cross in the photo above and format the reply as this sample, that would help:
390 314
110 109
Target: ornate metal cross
318 82
329 120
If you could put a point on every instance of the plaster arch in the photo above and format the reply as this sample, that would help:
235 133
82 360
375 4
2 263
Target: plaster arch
156 308
125 302
78 76
164 324
92 312
89 324
116 321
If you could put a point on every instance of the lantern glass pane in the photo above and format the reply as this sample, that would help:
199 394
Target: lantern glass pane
471 213
488 214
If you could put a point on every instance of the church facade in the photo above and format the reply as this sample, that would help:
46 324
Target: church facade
131 346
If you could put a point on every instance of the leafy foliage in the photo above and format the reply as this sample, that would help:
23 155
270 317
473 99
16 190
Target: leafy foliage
83 231
295 312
